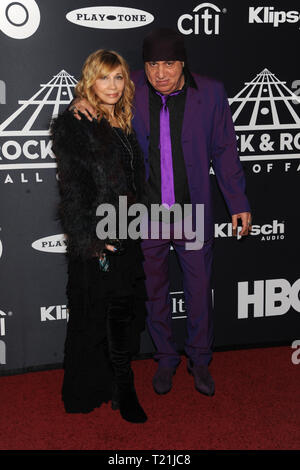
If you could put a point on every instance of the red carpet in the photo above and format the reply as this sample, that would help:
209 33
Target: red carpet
256 406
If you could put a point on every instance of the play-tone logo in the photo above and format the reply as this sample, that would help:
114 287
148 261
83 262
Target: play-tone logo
52 244
110 17
19 20
204 20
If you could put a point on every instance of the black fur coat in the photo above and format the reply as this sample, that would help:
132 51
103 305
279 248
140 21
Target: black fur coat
90 173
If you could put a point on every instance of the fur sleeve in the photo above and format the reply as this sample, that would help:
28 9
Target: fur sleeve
78 190
139 167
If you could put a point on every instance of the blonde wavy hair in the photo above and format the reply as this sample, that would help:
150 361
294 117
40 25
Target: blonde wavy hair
99 64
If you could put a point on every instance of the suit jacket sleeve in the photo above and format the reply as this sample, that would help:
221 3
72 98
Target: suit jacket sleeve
226 163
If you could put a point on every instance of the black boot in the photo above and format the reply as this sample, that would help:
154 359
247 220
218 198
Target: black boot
115 399
124 397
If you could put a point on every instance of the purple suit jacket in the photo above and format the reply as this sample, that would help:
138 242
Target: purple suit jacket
207 135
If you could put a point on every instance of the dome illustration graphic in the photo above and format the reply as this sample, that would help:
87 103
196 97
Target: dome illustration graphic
34 115
265 103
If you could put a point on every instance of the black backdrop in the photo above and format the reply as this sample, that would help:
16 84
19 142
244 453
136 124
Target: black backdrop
252 48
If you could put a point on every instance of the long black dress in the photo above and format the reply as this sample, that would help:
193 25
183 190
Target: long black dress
88 376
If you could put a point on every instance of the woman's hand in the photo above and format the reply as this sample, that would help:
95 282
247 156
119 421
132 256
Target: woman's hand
83 106
101 254
110 247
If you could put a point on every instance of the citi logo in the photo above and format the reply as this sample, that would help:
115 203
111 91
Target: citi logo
273 231
52 244
205 19
54 312
269 15
110 17
268 298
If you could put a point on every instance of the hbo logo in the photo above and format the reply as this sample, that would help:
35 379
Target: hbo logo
268 298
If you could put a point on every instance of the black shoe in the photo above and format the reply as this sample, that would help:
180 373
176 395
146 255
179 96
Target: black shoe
124 398
204 382
128 403
115 399
162 380
130 408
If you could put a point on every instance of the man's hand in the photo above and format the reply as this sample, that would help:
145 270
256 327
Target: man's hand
82 105
246 223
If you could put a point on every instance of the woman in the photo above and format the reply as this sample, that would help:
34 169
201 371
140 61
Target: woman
98 161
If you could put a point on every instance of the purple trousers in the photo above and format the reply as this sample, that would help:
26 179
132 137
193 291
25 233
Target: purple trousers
196 267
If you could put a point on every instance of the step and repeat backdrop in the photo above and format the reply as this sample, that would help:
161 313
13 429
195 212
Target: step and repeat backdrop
252 48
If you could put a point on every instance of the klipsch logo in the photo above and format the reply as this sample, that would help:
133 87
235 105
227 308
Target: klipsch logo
266 115
205 19
271 16
20 19
54 312
110 17
265 232
268 298
53 244
25 146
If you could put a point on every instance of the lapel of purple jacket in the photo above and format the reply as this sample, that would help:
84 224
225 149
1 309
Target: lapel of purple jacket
192 113
141 121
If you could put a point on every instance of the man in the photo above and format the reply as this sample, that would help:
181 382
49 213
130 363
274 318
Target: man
183 122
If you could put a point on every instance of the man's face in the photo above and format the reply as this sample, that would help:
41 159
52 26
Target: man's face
165 76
